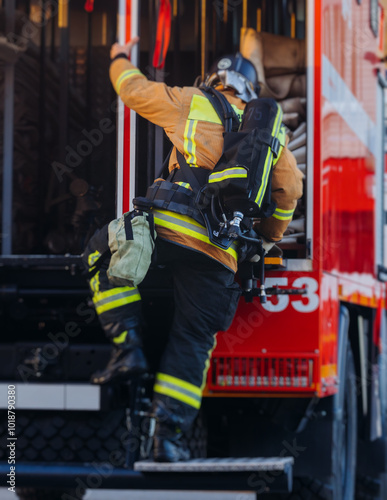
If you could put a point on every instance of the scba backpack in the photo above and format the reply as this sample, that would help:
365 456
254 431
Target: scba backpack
243 173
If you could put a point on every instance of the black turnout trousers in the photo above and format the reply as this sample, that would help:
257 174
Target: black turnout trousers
205 301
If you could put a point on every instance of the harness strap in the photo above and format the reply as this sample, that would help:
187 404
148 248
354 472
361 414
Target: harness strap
188 174
223 108
169 196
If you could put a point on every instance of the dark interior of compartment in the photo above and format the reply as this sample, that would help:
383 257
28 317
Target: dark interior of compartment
64 168
64 154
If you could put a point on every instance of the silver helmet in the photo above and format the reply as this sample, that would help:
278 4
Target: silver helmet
236 72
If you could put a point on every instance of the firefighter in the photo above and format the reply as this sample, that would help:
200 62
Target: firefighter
205 293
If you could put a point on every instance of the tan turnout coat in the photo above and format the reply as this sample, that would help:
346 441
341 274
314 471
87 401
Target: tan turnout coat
198 134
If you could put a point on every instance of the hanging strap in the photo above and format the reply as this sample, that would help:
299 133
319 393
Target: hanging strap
98 264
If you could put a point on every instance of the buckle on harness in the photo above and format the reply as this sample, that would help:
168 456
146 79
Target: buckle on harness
275 146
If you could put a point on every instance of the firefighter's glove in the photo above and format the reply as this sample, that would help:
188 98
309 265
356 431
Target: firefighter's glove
267 246
247 250
118 49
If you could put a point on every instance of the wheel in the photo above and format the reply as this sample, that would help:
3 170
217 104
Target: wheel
47 494
341 484
344 435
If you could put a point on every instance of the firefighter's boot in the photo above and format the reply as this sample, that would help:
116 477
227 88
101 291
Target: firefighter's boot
168 443
127 358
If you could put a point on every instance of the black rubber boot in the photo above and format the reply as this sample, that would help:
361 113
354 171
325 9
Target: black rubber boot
127 359
168 443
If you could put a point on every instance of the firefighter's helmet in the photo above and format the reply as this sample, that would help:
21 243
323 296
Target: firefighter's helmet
236 72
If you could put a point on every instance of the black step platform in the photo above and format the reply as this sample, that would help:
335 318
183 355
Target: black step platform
262 475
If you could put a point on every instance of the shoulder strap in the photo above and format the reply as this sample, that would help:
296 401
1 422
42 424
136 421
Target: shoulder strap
223 108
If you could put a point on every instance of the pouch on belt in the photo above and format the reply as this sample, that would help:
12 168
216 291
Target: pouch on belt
131 242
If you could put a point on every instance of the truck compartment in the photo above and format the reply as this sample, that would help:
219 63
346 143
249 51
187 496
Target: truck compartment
61 183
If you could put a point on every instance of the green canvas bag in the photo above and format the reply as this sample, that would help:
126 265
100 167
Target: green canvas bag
131 242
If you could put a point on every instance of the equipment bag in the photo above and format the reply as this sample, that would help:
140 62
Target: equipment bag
131 242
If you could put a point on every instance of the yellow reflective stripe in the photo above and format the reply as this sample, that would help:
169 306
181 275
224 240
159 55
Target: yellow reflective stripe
282 140
189 141
207 364
268 161
117 297
238 111
238 172
114 291
93 257
183 184
117 303
125 76
283 214
178 389
120 338
178 382
202 109
184 218
94 283
282 136
167 391
266 170
188 226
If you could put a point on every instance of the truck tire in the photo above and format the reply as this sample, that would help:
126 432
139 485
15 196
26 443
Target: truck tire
344 443
47 494
344 435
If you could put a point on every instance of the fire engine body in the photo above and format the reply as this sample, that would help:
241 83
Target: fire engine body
293 340
301 376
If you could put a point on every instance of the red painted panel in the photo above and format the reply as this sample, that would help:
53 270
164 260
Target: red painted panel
348 167
351 46
284 324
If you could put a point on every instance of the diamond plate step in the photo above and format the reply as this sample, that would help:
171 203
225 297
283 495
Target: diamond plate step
219 465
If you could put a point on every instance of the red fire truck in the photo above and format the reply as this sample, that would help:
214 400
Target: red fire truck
299 381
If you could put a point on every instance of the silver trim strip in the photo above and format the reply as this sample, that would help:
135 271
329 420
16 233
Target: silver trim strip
67 397
120 115
310 71
134 56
